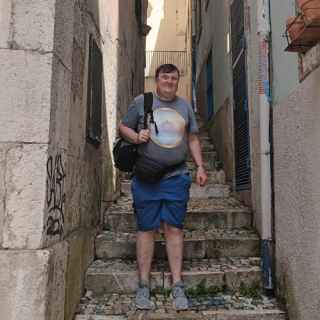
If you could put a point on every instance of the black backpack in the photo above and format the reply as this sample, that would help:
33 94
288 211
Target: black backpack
125 153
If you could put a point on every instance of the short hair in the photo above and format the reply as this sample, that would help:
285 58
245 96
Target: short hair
167 68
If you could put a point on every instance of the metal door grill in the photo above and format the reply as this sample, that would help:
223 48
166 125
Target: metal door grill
155 58
94 99
240 96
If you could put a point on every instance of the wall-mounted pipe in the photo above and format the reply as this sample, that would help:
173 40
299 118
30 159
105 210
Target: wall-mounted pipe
263 16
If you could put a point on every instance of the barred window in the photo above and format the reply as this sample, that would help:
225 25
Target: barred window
94 98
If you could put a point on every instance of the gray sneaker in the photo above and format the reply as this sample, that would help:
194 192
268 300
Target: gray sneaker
180 301
143 301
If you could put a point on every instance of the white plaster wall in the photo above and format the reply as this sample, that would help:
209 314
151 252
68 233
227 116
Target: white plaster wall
215 28
297 198
170 31
285 71
167 17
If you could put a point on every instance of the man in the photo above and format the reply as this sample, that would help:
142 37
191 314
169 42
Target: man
163 204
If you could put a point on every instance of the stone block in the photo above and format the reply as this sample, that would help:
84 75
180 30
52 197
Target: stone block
5 19
63 31
23 284
245 315
234 278
236 247
79 256
77 127
98 317
55 210
25 183
3 155
120 222
100 282
194 249
209 191
72 192
32 25
88 253
60 105
106 249
91 182
25 93
126 187
78 64
57 281
79 27
192 279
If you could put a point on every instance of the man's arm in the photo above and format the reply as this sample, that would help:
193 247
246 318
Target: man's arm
195 150
132 136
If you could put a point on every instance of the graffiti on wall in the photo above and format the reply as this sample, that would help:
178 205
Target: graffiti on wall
55 195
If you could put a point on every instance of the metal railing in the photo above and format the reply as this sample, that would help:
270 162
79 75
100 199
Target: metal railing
156 58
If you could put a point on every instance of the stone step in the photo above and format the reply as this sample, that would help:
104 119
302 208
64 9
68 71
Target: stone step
197 244
120 276
201 215
209 165
207 156
207 192
214 176
218 307
207 146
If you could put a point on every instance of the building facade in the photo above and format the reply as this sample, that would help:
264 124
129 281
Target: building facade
68 70
169 41
260 102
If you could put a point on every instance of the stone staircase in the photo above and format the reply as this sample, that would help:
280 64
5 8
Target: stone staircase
221 260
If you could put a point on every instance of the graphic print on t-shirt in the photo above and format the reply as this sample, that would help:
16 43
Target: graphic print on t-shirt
171 126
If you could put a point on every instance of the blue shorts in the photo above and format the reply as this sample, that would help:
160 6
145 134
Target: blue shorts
165 201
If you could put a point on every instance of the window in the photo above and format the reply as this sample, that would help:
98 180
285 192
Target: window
94 98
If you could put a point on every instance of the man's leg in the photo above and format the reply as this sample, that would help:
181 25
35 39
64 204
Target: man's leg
145 248
174 245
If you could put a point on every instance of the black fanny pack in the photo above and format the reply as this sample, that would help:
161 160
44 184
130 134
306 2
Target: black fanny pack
150 171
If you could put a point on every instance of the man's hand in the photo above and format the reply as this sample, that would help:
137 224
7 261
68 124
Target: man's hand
143 136
202 177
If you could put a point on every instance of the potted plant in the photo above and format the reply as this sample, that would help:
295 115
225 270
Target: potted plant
295 26
310 10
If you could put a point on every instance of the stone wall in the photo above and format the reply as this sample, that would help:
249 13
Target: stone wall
54 185
297 198
215 28
221 129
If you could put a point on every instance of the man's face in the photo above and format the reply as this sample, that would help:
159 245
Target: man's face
167 84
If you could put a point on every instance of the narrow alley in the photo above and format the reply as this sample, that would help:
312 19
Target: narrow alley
248 70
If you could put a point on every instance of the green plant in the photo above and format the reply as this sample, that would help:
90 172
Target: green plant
250 291
202 290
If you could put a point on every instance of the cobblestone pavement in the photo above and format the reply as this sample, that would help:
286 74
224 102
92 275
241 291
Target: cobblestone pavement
120 304
221 264
188 235
124 205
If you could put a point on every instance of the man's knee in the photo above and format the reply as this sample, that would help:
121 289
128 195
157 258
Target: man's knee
171 230
146 234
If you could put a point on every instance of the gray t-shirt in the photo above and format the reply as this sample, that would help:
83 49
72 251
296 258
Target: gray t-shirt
174 119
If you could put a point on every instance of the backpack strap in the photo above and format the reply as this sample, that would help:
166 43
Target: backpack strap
148 102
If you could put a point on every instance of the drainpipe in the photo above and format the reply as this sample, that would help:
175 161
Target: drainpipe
263 15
